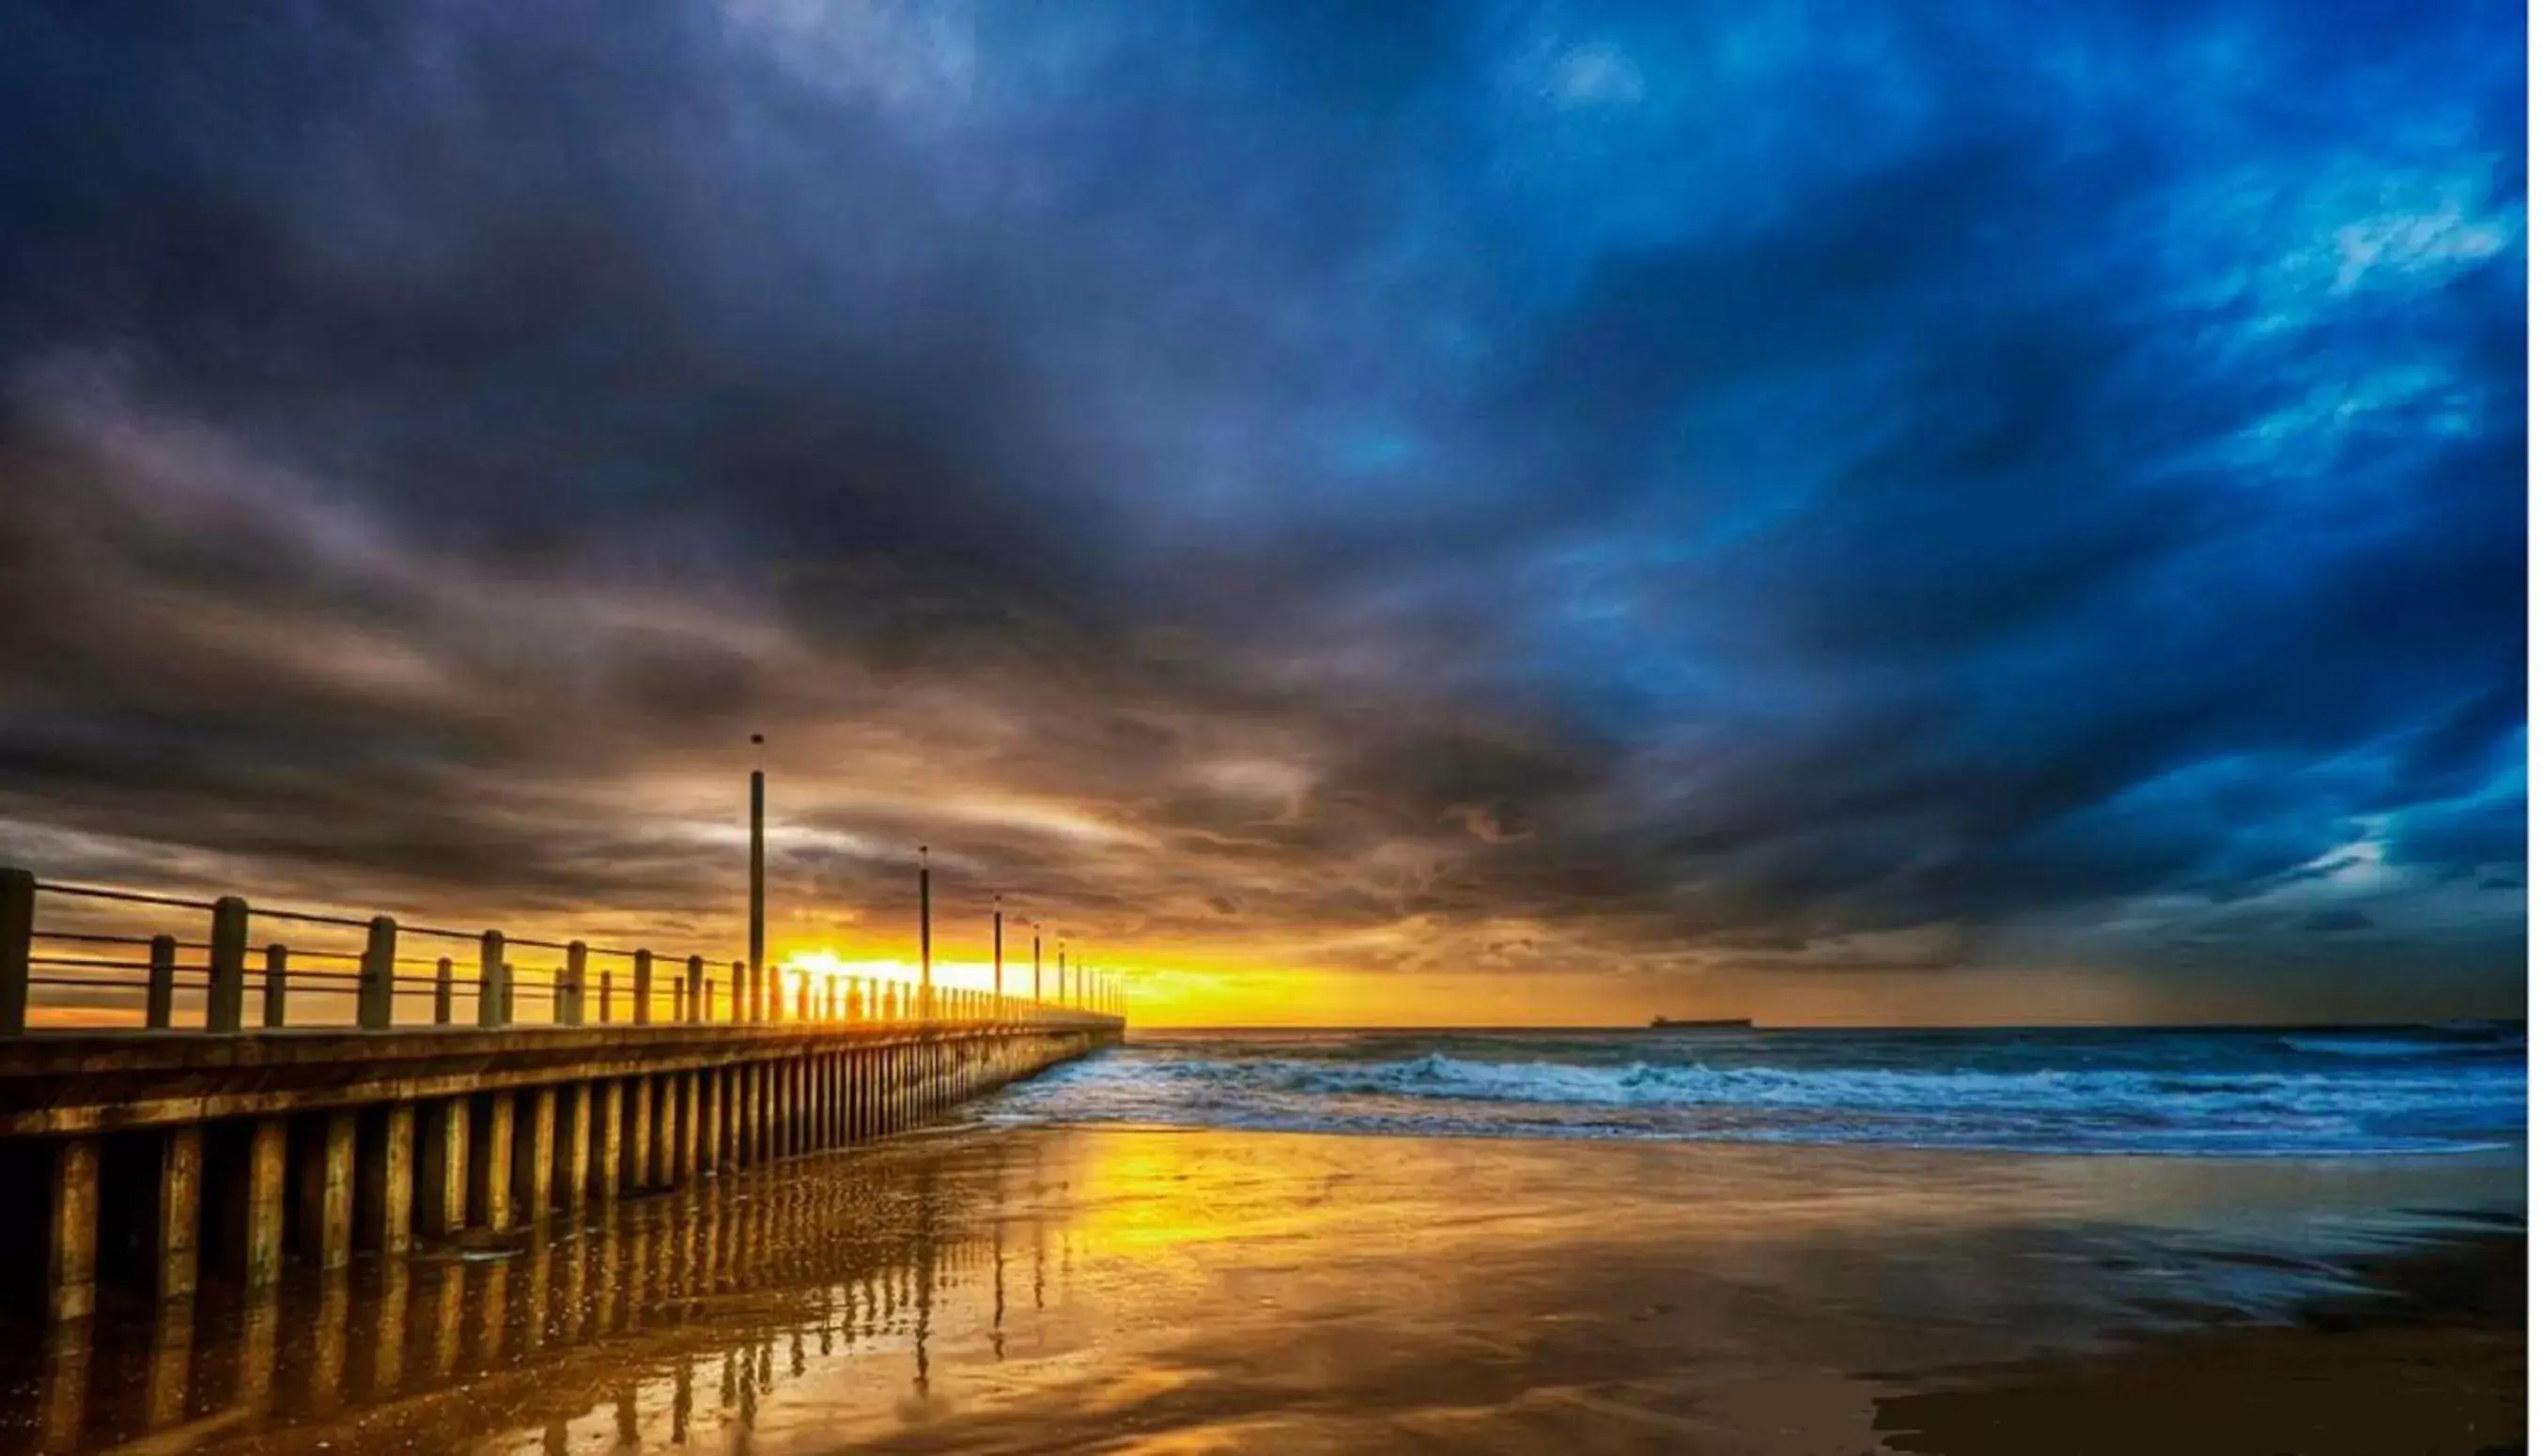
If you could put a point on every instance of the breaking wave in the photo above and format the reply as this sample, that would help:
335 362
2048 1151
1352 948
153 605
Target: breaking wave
2161 1093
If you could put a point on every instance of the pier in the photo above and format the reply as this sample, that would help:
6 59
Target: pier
213 1089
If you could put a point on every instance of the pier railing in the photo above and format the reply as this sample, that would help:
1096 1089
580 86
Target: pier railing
82 952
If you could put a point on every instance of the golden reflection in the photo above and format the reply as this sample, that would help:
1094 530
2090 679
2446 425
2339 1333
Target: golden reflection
839 1301
327 1374
450 1295
388 1328
172 1359
260 1326
63 1403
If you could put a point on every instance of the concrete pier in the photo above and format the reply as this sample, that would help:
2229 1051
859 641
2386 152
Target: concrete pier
324 1183
181 1211
325 1148
534 1153
262 1191
490 1162
70 1223
608 1126
441 1185
573 1146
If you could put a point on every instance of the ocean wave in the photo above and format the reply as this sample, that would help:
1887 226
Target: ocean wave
2378 1105
1438 1076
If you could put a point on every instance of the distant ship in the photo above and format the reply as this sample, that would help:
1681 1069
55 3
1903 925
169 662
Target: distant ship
1660 1023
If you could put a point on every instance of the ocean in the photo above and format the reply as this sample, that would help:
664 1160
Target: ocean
2243 1092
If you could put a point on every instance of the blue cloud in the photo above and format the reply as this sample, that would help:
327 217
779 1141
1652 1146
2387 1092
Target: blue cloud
1822 471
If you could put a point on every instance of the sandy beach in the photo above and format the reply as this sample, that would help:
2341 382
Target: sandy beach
1098 1289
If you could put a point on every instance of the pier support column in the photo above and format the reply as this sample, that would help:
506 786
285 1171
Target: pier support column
573 1146
828 1100
764 1104
637 1174
442 1181
792 1084
267 1144
710 1123
689 1135
779 1105
326 1192
860 1092
808 1120
490 1165
608 1125
666 1129
693 1132
71 1231
746 1115
180 1210
534 1154
387 1194
850 1132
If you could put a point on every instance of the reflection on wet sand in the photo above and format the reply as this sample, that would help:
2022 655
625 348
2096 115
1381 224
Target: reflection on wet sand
1021 1290
648 1297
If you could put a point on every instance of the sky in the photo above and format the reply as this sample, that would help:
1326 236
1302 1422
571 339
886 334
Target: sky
1350 510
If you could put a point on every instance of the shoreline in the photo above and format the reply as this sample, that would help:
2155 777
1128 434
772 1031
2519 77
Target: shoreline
2457 1155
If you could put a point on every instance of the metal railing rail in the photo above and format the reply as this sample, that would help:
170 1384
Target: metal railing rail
219 969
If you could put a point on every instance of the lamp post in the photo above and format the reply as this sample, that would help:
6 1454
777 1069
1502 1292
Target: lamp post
998 947
926 944
758 870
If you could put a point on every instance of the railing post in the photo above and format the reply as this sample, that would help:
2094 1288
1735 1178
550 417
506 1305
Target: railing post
508 993
491 976
225 1002
17 947
578 966
441 992
605 998
643 988
159 1005
697 987
740 1006
277 984
376 999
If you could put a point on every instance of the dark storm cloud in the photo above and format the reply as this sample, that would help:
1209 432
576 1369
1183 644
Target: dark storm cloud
1420 471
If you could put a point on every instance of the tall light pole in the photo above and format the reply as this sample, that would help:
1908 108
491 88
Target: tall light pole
998 946
926 943
758 872
1036 930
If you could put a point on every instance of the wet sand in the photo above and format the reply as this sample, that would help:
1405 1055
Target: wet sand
1062 1289
2431 1357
